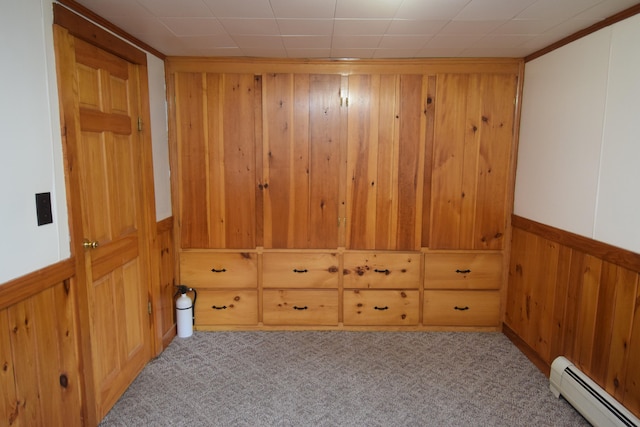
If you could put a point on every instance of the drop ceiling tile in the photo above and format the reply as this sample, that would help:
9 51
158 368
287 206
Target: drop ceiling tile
492 10
430 10
452 41
395 53
258 42
207 42
267 27
359 27
310 42
410 26
318 27
297 9
193 26
142 26
403 42
439 52
554 9
470 27
308 53
265 53
106 8
219 52
504 41
352 53
494 52
525 26
367 9
356 42
606 9
238 8
172 8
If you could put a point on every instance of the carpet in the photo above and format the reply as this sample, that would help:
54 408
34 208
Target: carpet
340 378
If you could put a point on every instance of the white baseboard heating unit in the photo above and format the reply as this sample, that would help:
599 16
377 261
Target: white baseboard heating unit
595 404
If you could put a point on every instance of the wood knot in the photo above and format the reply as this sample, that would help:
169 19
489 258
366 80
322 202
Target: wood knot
236 299
64 381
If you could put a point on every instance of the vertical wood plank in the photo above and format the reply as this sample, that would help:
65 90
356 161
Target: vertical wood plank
324 139
9 402
631 398
624 304
192 166
494 154
561 291
27 372
239 161
300 227
587 315
429 112
214 152
258 185
468 163
411 144
385 143
446 180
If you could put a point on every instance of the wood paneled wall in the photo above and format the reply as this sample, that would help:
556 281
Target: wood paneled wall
40 374
575 297
164 307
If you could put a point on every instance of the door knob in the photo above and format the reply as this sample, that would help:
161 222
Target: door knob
90 245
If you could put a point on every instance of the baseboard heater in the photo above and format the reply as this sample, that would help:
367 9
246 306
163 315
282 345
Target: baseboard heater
595 404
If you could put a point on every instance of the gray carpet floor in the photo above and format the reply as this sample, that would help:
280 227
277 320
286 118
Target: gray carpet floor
338 378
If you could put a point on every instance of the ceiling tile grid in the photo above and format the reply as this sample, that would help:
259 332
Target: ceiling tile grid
353 28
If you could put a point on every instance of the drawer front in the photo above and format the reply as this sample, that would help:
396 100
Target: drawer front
463 271
374 307
461 308
227 307
296 307
381 270
202 269
300 270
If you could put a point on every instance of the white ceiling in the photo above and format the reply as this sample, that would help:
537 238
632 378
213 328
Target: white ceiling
353 28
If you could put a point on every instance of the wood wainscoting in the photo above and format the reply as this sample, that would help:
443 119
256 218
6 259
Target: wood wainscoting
572 296
40 373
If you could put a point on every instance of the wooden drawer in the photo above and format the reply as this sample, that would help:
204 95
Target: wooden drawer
381 270
300 270
374 307
473 270
235 307
205 269
297 307
461 308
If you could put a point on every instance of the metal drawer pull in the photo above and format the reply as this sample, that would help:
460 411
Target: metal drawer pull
218 271
382 271
295 270
381 308
295 307
215 307
461 308
463 271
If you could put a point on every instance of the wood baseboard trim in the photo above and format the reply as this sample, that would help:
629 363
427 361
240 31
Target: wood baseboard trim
33 283
544 367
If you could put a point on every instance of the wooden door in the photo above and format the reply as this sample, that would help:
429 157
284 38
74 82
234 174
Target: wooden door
385 161
217 117
473 142
104 148
302 166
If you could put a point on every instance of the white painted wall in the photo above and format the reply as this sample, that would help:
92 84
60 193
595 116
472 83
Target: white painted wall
579 137
30 143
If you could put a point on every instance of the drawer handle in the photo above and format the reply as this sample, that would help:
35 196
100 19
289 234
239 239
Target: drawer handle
218 271
295 270
461 308
463 271
295 307
381 308
215 307
382 271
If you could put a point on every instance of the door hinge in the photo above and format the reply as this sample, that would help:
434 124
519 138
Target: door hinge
149 306
139 124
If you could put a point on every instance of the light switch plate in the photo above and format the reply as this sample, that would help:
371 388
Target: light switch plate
43 208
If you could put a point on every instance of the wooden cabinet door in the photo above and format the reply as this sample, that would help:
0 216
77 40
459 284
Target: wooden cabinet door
217 133
301 160
385 161
474 118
